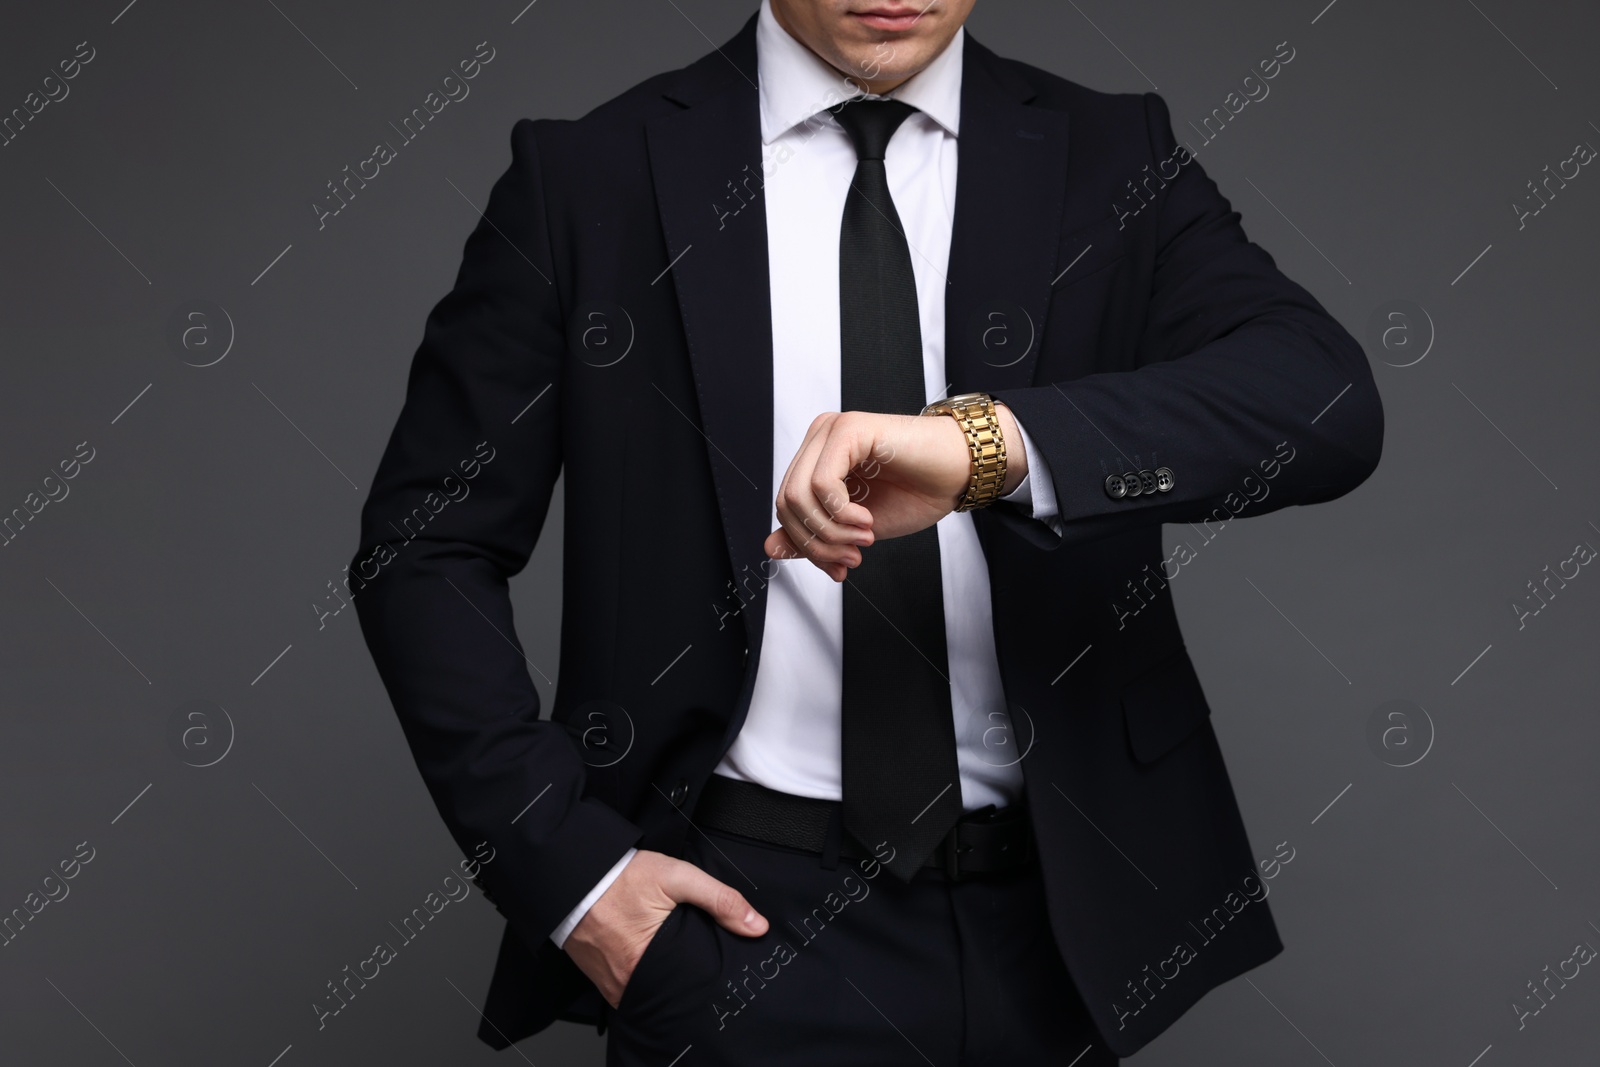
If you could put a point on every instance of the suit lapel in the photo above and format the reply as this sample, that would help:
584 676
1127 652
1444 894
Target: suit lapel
1011 180
706 164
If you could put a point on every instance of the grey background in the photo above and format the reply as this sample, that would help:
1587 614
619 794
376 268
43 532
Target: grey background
184 564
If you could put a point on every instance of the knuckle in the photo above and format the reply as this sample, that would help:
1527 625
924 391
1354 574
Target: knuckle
726 901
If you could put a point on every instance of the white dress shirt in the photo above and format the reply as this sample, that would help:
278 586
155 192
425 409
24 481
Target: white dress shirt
790 738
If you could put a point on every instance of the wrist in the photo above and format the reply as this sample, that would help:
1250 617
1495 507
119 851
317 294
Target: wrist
575 918
1016 452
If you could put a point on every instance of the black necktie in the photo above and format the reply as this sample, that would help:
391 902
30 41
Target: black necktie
900 780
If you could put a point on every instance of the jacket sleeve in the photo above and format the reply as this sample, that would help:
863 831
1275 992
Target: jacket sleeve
1241 378
455 509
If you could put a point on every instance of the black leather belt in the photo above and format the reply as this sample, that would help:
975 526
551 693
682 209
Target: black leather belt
989 841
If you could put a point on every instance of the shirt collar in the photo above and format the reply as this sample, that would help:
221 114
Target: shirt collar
795 83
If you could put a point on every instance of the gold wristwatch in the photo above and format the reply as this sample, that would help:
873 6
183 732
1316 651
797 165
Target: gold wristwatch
976 414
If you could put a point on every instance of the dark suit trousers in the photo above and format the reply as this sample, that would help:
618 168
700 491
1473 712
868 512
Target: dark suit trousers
856 968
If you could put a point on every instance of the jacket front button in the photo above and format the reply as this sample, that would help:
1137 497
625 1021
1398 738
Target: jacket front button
680 793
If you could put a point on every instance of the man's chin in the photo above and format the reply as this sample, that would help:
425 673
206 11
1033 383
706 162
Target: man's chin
871 67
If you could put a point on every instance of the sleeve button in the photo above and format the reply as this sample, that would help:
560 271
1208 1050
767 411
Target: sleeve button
1116 488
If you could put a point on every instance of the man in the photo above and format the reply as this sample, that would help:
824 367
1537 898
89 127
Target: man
876 740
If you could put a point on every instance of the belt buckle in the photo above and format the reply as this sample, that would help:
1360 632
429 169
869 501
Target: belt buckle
1014 834
952 853
952 843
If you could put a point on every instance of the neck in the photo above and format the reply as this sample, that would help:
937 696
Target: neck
881 86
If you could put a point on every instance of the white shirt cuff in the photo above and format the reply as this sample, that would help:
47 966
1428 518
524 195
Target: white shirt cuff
574 917
1036 493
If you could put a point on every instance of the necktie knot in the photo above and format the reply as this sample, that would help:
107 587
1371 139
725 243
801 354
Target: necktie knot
870 123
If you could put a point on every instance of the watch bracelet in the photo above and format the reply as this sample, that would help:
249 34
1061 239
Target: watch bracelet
980 421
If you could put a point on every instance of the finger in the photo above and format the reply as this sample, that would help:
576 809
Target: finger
822 509
778 546
851 442
688 884
836 560
798 472
817 428
810 526
781 547
828 485
804 539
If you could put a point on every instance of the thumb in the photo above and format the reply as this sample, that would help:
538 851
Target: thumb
779 546
688 884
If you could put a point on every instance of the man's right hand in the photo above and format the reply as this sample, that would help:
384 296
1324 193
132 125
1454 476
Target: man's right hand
608 941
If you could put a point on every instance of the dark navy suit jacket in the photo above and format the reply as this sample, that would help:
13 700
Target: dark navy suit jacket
1098 283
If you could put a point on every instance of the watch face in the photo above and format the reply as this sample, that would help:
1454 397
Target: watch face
955 403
